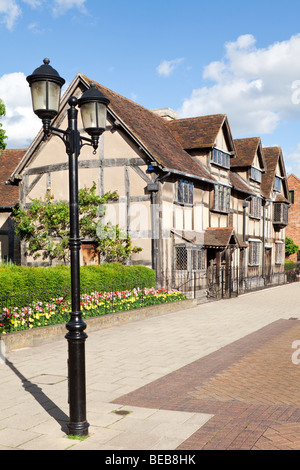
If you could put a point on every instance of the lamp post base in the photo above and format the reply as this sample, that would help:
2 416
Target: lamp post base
78 429
78 425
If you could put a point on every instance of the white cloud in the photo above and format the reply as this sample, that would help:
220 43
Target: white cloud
33 3
9 12
20 123
166 67
256 88
61 6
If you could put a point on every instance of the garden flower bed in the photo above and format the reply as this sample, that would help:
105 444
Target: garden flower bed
39 314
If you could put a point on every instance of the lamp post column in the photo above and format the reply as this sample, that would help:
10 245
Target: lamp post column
45 84
76 336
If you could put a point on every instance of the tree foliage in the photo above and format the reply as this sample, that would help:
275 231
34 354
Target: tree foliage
45 226
290 246
3 136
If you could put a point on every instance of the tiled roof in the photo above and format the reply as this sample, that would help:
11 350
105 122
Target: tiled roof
220 237
190 235
153 132
9 159
271 158
238 183
280 198
245 151
197 132
217 236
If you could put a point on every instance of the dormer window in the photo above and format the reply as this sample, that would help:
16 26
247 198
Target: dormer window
277 183
255 174
221 158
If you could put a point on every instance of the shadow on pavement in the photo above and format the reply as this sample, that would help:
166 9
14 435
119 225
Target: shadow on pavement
38 394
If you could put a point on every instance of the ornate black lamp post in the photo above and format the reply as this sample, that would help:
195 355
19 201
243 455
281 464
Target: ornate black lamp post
45 84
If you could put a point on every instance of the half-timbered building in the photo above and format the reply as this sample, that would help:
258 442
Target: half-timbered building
190 196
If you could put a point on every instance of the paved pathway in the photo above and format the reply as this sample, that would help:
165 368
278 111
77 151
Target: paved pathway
222 375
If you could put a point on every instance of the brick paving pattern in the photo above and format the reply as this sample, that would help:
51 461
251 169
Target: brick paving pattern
251 386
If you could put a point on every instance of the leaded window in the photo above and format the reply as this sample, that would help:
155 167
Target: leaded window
255 174
185 192
190 258
254 252
277 183
255 207
222 198
181 258
220 158
198 259
281 213
279 253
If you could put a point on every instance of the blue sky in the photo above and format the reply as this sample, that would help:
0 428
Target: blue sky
198 58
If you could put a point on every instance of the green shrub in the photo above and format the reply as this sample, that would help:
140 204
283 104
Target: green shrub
288 265
112 276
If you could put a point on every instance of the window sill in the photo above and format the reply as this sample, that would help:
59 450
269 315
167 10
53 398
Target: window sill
185 204
219 165
255 181
219 211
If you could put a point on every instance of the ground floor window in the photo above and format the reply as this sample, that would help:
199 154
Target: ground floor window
198 259
181 258
190 258
279 252
254 252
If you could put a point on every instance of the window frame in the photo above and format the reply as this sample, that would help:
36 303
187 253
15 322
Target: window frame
185 192
200 254
221 198
280 213
254 171
277 179
255 207
177 263
254 253
194 258
220 157
279 252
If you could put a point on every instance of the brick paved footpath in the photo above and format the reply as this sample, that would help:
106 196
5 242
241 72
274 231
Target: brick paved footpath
217 376
252 387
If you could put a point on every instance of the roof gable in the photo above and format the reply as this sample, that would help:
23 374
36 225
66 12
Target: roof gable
9 159
200 132
148 129
246 150
291 179
273 157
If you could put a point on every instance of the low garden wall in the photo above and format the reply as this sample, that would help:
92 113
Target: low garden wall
36 336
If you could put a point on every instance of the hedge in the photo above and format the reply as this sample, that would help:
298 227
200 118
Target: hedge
116 276
289 265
